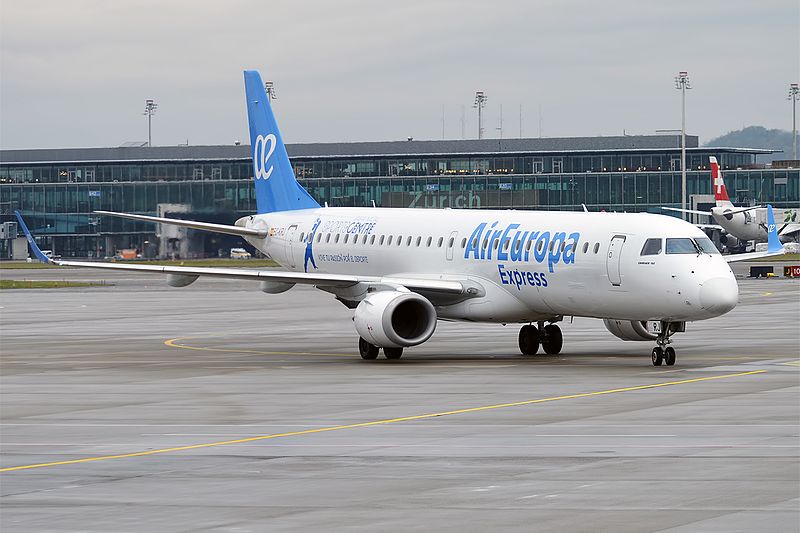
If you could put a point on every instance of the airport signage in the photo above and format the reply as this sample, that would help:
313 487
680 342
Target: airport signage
94 194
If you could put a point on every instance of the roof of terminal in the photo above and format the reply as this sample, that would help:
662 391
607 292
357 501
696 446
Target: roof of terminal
547 145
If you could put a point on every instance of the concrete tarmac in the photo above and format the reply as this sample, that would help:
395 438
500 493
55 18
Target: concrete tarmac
140 407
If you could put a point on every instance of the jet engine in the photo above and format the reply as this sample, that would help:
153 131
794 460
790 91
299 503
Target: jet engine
729 240
395 319
629 330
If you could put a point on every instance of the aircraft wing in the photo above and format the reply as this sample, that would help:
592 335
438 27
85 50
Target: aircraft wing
425 285
706 213
204 226
709 226
789 228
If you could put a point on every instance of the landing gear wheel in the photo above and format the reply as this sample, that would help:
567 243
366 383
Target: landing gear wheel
553 340
367 350
393 353
658 356
669 355
529 340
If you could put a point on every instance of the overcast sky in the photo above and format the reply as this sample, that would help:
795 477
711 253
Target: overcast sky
77 73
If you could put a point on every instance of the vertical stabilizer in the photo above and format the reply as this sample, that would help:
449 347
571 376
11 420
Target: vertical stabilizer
276 187
773 241
718 184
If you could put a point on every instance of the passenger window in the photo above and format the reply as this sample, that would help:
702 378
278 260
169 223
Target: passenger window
596 247
319 237
651 247
302 237
681 246
428 243
389 241
528 246
346 237
327 237
419 240
540 246
585 247
364 240
380 242
450 242
496 243
408 241
336 239
372 239
463 243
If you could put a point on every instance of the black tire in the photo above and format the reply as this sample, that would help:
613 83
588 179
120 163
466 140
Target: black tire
657 356
669 356
529 340
553 340
393 353
367 350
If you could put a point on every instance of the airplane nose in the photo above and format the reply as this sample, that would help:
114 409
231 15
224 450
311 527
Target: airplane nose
719 295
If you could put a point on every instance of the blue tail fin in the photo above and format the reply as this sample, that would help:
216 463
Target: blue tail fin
773 241
276 187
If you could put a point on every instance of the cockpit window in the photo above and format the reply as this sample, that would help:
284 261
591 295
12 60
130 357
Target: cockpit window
651 247
681 246
706 245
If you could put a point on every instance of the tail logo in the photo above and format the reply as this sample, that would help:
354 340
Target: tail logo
262 151
719 183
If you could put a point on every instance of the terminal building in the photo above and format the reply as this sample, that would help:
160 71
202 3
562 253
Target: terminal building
57 190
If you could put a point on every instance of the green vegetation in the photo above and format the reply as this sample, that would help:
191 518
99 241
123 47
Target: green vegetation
758 137
26 284
8 265
220 262
779 259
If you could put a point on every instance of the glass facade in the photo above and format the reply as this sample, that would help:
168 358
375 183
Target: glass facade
58 199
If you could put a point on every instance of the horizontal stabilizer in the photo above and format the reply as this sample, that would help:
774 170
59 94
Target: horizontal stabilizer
203 226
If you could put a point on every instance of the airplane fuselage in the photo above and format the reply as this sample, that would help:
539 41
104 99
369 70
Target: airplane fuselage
533 265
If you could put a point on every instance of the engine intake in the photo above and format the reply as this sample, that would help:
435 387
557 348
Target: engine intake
395 319
629 330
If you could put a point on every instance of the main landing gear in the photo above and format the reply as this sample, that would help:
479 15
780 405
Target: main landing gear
549 336
663 353
370 351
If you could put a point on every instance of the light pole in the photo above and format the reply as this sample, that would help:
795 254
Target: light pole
794 95
682 83
150 109
480 103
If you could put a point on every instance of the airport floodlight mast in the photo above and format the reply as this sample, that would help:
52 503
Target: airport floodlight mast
480 103
794 94
150 109
682 83
269 86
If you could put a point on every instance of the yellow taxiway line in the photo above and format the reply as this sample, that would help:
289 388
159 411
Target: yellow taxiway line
378 422
173 343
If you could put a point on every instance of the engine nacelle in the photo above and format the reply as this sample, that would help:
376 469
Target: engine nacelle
180 280
729 240
395 319
275 287
629 330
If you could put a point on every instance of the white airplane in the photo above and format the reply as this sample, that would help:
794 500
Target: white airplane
740 224
402 270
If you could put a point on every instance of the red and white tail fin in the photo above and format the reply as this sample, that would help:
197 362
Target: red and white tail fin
718 184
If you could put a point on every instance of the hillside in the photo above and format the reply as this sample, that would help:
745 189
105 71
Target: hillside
758 137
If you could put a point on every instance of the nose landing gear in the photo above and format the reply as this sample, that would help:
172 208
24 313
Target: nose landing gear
663 352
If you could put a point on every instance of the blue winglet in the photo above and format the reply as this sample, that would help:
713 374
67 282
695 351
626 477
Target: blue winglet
35 247
773 242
